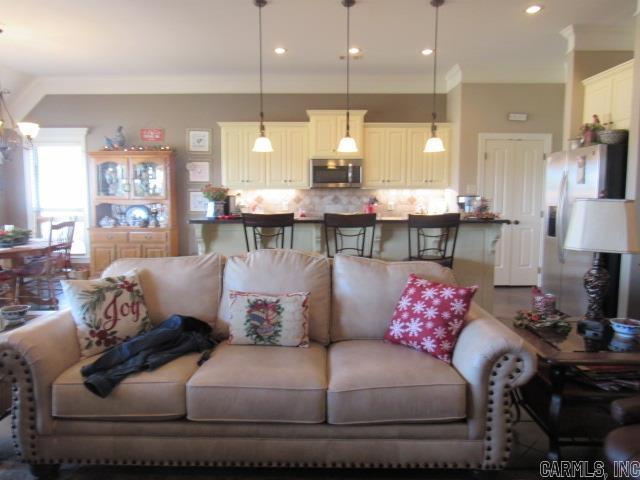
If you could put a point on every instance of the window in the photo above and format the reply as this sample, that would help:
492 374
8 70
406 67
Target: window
58 183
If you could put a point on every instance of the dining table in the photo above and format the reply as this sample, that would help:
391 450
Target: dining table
12 257
33 248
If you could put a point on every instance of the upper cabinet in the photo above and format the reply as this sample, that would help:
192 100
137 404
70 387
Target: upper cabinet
428 170
395 157
327 127
608 95
286 167
120 175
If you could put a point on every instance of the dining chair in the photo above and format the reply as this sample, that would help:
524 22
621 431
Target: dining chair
352 233
7 287
266 229
36 278
435 237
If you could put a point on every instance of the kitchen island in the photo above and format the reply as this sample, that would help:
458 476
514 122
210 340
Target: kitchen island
474 256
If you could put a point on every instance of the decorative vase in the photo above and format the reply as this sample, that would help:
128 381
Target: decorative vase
215 209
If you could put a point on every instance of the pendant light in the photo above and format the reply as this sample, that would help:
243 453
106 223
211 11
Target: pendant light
348 143
262 143
434 143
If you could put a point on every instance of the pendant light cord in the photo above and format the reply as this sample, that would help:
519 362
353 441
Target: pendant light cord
435 69
348 55
260 44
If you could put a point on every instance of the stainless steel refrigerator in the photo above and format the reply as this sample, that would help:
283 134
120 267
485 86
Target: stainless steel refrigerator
598 171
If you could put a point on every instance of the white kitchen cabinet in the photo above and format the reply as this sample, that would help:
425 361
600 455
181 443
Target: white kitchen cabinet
327 127
286 167
608 95
394 157
428 170
288 164
385 161
241 168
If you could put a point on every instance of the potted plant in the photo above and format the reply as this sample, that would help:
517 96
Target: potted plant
13 237
589 131
215 197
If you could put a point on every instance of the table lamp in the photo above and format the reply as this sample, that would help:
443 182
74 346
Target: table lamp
601 226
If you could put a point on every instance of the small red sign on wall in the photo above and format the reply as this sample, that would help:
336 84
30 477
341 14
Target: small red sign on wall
152 134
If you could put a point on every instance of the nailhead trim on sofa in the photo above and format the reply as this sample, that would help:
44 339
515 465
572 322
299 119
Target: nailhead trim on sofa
24 429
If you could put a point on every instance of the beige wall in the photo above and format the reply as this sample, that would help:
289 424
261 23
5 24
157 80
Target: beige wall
454 115
484 109
13 209
175 113
583 64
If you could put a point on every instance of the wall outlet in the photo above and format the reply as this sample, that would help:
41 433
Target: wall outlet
391 206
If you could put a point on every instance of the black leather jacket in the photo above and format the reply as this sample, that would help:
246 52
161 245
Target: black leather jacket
171 339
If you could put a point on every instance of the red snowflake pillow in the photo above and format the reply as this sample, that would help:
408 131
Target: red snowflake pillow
429 316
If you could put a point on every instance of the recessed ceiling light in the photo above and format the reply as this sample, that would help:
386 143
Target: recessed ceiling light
533 9
427 51
354 50
280 50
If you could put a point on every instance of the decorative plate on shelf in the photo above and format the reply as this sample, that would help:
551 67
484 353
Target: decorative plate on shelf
137 216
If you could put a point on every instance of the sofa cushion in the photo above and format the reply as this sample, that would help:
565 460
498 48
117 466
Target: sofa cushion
430 316
107 311
278 272
144 396
250 383
188 286
366 291
258 319
371 381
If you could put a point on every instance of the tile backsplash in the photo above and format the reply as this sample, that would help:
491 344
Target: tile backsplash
316 202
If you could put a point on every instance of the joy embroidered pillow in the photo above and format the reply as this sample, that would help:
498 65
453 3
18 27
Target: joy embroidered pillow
257 319
429 316
107 311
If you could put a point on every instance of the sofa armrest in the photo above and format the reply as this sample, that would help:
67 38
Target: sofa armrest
31 358
493 360
626 411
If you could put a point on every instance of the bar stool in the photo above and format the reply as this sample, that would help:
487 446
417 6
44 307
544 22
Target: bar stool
436 237
351 228
267 227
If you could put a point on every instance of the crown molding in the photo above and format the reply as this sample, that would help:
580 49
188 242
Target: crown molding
592 37
29 96
453 78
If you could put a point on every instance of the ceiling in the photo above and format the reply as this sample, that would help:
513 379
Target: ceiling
216 41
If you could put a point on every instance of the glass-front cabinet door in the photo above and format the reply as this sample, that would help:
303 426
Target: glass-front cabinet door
112 178
148 178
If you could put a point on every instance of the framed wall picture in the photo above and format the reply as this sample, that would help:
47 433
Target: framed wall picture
197 202
198 171
199 140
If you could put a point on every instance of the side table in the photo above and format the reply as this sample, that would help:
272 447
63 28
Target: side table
569 411
5 387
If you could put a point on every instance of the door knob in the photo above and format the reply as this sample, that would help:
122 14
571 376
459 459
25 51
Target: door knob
516 222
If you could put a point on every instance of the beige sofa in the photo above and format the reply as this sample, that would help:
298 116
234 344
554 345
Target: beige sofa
349 400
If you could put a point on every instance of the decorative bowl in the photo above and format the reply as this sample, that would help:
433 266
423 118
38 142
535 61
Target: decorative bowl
14 314
613 137
625 327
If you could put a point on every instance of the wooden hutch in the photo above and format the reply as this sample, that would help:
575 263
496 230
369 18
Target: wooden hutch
133 206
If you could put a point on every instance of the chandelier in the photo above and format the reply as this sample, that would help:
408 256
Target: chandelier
13 136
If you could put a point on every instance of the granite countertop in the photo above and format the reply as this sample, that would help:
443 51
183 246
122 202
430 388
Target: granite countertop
382 219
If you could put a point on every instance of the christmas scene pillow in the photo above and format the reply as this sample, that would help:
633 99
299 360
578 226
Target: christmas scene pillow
429 316
107 311
258 319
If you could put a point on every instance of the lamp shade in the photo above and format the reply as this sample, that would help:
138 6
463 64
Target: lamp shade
434 145
603 225
28 129
262 145
347 145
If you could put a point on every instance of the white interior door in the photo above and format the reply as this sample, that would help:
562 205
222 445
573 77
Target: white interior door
512 178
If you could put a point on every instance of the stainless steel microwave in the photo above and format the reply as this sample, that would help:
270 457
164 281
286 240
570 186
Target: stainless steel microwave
336 173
